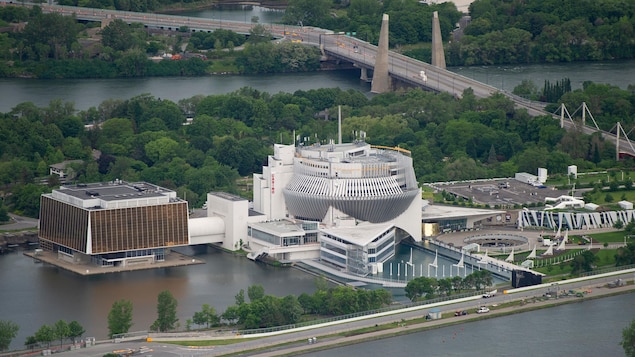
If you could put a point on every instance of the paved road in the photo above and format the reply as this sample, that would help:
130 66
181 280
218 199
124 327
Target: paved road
19 223
298 340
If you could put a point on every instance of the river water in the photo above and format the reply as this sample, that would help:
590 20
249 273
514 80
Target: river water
86 93
35 294
589 328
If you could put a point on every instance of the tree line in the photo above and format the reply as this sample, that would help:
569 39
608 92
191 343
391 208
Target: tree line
256 310
44 336
144 138
49 46
428 288
547 31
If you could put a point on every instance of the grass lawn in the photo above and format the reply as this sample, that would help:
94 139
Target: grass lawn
609 237
600 197
592 178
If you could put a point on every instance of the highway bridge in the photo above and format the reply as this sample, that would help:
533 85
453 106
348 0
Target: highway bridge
339 46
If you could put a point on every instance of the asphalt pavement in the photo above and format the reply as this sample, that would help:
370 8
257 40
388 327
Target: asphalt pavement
297 341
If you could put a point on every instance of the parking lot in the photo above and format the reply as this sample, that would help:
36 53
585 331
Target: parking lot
501 193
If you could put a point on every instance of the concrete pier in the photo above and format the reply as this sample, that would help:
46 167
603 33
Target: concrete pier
381 80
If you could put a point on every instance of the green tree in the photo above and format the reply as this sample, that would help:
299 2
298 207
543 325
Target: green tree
8 331
628 339
45 334
258 34
231 314
255 292
419 287
583 262
50 35
445 286
119 36
119 317
207 316
166 311
30 342
306 12
625 255
75 330
61 330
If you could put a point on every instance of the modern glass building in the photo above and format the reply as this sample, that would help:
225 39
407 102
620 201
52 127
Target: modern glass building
365 198
112 224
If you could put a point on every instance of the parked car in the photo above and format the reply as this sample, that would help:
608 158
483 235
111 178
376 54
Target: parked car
460 312
482 310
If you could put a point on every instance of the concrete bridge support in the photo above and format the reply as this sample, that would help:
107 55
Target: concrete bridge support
364 74
438 56
105 22
381 80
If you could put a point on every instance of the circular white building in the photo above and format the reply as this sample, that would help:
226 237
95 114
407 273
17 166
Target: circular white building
373 184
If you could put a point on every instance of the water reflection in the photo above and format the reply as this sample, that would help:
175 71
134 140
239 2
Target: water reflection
37 294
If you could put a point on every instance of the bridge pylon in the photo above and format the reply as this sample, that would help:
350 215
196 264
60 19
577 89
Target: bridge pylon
381 80
438 56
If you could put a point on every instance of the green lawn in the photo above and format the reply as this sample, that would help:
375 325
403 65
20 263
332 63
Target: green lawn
609 237
591 178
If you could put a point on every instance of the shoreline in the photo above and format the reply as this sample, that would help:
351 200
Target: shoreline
326 342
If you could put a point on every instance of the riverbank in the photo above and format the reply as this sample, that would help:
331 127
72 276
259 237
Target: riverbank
204 5
403 327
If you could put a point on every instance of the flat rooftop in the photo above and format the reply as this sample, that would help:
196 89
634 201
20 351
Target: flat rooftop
114 190
360 234
227 196
489 192
436 212
280 227
358 151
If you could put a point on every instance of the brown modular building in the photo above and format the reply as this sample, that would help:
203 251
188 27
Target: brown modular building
112 224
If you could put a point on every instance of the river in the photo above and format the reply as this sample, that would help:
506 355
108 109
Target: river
589 328
86 93
35 294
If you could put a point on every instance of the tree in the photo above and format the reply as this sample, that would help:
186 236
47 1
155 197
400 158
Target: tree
119 317
583 262
628 340
240 297
445 286
45 334
231 314
207 316
255 292
625 255
419 287
61 330
119 36
75 330
306 12
166 311
8 331
259 33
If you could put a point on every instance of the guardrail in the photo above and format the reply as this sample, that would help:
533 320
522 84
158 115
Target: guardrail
388 309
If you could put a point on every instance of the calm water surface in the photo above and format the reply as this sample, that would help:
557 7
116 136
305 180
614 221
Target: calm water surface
35 294
86 93
590 328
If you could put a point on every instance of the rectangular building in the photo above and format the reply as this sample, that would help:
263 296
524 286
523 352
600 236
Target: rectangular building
112 224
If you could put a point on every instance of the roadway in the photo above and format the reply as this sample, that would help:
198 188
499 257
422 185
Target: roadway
297 340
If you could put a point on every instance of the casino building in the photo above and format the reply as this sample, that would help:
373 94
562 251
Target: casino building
347 205
363 199
112 224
